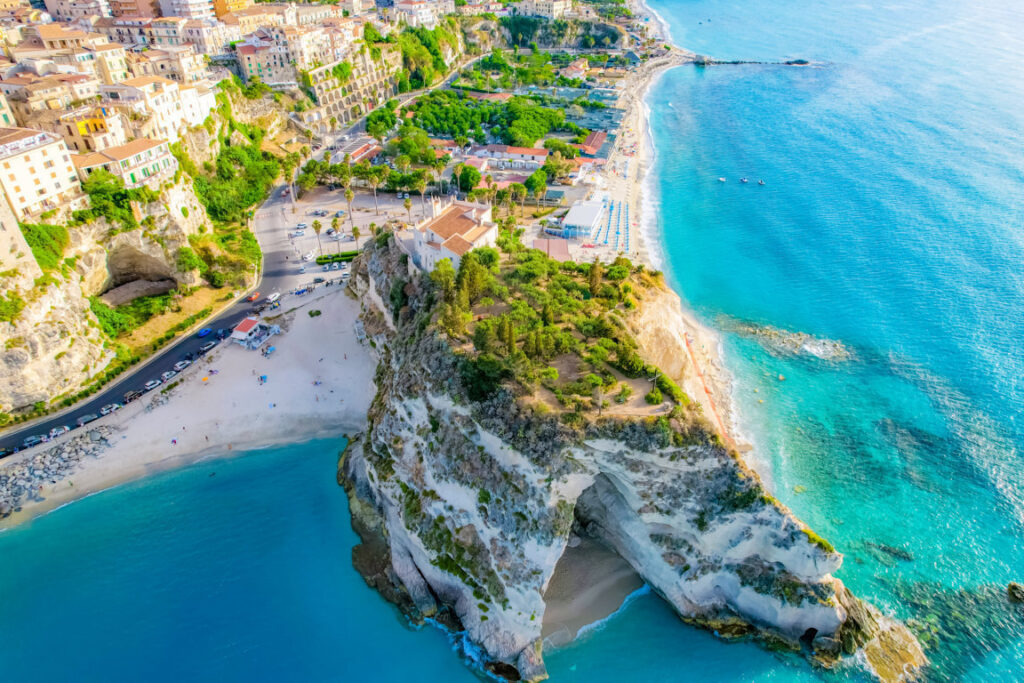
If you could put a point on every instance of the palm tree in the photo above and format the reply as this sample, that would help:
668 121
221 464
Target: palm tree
402 163
316 229
334 122
408 207
309 135
335 223
419 184
519 192
355 235
376 177
349 194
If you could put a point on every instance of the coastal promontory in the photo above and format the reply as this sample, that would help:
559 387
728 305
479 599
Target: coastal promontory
524 404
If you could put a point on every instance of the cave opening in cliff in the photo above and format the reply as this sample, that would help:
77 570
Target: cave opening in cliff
590 581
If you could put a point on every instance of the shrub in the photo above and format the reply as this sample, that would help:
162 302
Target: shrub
654 397
47 243
10 307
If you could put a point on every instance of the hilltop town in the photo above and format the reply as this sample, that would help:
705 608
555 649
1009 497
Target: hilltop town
138 141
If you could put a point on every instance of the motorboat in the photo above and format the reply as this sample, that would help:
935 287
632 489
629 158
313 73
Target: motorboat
721 180
743 180
760 182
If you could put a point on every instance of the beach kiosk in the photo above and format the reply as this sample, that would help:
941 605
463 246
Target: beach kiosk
252 333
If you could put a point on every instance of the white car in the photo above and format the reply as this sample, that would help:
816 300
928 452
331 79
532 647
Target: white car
109 408
168 375
273 297
301 226
181 365
57 431
308 257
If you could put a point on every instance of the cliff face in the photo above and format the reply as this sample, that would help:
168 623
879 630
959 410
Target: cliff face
465 507
54 345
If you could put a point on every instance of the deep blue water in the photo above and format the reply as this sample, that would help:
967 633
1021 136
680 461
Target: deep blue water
891 221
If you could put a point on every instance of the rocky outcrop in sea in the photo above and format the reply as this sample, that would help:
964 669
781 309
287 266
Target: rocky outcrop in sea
465 506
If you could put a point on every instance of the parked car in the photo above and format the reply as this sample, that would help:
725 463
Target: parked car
307 257
327 266
335 266
346 275
204 332
57 431
168 375
316 281
33 440
287 191
298 233
273 297
302 269
131 396
182 364
109 408
207 346
151 384
301 226
252 297
330 231
86 419
339 214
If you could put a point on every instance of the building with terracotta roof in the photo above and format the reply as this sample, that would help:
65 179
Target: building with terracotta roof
135 8
508 156
87 128
454 229
36 173
139 162
222 7
177 62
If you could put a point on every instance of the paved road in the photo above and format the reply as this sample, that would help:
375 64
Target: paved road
281 263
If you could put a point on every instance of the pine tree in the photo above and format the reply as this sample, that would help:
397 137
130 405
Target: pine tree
595 277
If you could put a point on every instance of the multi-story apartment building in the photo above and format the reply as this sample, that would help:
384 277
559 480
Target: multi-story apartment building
88 128
135 8
263 59
416 12
139 162
36 173
252 18
46 38
222 7
179 63
128 31
210 37
188 9
168 30
27 95
8 5
70 10
552 9
158 106
370 83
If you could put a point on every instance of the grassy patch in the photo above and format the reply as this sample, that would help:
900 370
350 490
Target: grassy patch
47 243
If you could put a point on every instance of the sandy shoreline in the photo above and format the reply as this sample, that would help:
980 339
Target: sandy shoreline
212 414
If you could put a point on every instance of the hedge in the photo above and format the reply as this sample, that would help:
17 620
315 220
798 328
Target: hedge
336 258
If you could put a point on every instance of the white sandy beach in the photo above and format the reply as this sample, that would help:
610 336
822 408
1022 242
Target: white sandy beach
213 414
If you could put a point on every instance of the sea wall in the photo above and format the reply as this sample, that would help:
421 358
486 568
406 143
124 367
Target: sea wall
465 507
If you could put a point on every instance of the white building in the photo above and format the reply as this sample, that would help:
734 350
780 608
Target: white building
139 162
70 10
173 107
188 9
454 230
36 173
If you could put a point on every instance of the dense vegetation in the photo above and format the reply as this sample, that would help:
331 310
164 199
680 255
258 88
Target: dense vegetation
110 199
121 320
497 71
422 50
47 243
528 319
519 121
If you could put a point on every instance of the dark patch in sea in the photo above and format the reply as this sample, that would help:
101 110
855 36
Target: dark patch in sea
959 627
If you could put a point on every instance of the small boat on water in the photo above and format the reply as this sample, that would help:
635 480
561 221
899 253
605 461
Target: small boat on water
743 180
721 180
760 182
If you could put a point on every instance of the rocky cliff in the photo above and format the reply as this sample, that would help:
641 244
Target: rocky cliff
465 506
54 345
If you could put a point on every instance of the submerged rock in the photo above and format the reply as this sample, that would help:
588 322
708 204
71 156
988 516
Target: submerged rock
1015 592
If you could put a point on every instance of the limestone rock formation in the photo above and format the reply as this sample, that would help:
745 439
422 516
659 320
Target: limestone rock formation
465 507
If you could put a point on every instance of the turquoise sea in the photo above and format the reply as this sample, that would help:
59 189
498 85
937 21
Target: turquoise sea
892 221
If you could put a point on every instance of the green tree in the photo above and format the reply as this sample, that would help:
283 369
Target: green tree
355 234
594 277
402 163
519 193
316 229
443 276
349 195
408 207
419 184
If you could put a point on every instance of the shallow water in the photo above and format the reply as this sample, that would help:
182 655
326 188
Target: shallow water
890 221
